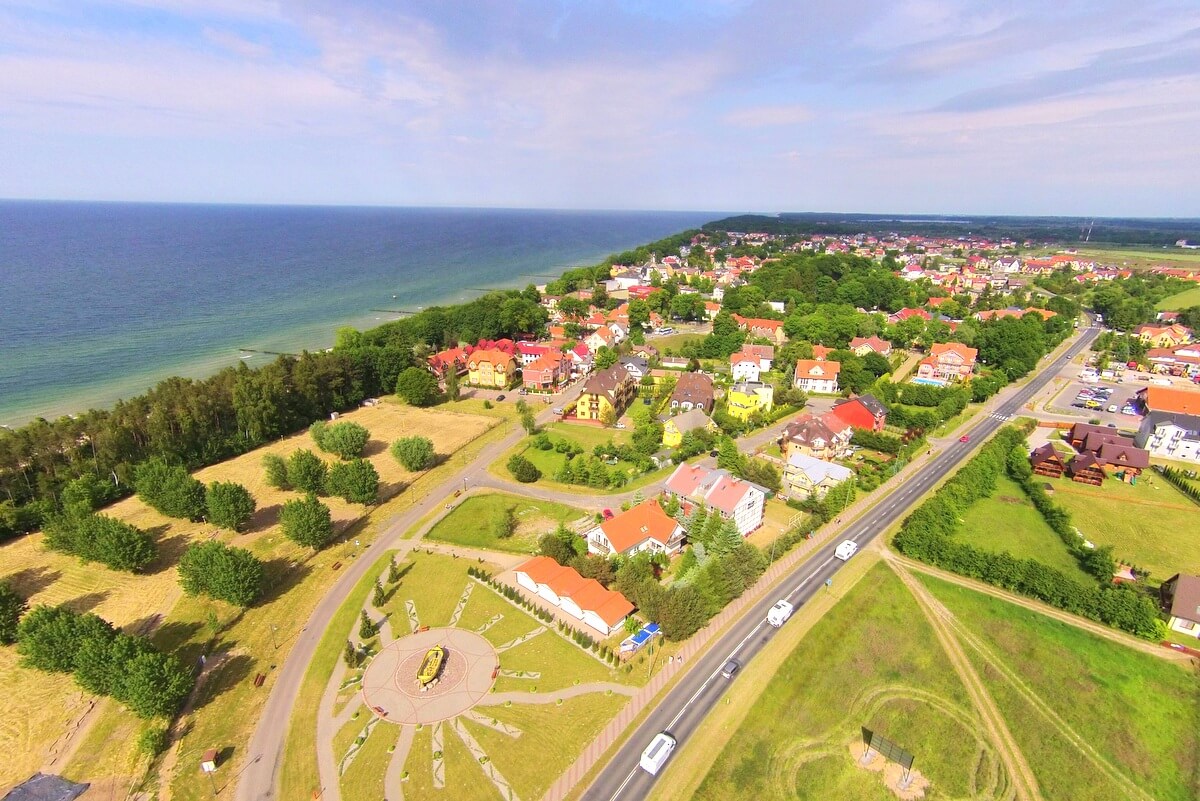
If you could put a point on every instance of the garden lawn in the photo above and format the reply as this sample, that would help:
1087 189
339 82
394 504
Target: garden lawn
552 736
364 778
587 438
433 583
1007 521
871 661
1139 711
484 605
560 662
464 777
673 342
471 523
1151 524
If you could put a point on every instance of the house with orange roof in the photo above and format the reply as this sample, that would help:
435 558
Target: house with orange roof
861 346
645 527
547 374
1163 336
949 361
586 600
442 362
752 360
602 337
813 375
1169 399
758 327
821 353
491 368
995 314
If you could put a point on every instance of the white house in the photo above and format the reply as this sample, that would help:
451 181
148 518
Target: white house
733 498
805 475
1170 435
645 527
586 600
817 376
750 361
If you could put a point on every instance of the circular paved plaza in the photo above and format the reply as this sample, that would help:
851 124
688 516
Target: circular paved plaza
390 687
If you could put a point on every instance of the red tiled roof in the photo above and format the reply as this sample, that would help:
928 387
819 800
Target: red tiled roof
645 521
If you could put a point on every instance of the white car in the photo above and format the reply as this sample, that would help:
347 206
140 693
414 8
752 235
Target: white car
779 613
847 549
656 754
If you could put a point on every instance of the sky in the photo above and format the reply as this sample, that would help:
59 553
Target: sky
952 106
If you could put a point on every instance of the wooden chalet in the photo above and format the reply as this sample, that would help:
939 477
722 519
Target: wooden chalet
1045 461
1124 457
1087 469
1080 431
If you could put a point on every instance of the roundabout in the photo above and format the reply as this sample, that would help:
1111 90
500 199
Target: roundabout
392 691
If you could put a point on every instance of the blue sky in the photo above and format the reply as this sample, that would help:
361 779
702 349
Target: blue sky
1061 107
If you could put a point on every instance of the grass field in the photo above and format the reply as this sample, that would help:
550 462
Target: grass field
870 661
585 437
1141 713
673 342
1150 524
470 523
1142 257
1184 300
1007 521
47 706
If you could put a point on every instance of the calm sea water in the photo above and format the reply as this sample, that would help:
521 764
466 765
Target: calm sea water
101 300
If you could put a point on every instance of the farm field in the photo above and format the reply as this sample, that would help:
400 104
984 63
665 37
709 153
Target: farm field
1143 257
527 742
470 524
1150 524
1184 300
852 670
48 706
1007 521
1140 713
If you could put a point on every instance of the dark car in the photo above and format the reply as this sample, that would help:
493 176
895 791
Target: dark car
731 668
714 454
499 397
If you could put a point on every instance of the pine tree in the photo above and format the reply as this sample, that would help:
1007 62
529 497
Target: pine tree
366 627
727 538
351 655
380 597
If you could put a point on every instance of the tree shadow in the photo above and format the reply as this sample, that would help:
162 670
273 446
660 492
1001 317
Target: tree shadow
170 549
171 637
86 603
282 574
237 668
374 447
32 580
263 518
390 489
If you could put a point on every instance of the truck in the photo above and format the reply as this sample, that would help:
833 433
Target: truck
779 613
655 755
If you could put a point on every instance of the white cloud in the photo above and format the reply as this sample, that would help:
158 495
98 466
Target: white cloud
766 116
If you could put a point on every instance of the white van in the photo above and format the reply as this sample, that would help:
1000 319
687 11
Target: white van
847 549
779 613
655 755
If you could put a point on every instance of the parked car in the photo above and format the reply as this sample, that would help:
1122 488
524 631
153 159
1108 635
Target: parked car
965 438
1112 409
607 513
499 397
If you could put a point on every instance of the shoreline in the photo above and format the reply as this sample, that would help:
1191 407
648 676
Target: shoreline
313 337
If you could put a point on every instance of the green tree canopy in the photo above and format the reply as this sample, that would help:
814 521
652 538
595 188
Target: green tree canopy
523 470
414 453
223 572
230 505
12 606
346 439
169 489
306 472
417 387
355 482
306 521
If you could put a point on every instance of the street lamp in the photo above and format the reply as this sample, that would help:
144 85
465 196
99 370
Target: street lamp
274 641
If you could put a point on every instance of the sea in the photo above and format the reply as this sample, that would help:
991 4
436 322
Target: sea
100 301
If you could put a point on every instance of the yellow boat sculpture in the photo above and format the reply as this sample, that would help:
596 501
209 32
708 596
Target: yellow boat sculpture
431 667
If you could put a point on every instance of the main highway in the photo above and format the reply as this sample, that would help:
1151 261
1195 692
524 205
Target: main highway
684 707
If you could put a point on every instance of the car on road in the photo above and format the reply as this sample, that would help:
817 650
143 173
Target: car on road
656 754
558 410
965 438
845 550
499 397
779 613
620 426
731 668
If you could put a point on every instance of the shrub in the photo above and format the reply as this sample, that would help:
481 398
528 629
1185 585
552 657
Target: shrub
12 606
219 571
307 521
523 470
355 481
306 472
153 741
169 489
276 471
346 439
99 538
414 453
230 505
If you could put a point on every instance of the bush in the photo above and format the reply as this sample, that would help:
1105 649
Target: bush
306 472
229 504
276 471
355 481
414 453
12 606
346 439
153 741
523 470
417 386
219 571
307 521
88 491
170 490
99 538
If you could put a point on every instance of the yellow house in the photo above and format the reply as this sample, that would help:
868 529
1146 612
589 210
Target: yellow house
606 395
691 420
748 397
491 368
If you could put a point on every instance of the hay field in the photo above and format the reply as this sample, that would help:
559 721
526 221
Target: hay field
44 704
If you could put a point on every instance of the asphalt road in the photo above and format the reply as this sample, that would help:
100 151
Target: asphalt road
685 706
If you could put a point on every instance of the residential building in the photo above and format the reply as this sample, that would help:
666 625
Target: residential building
824 437
606 393
547 373
1169 399
635 366
693 391
864 412
733 498
805 476
1087 468
950 361
491 368
675 427
530 352
600 338
815 376
751 361
586 600
861 346
1170 435
764 329
821 353
1163 336
747 398
645 527
442 362
1180 597
1046 461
